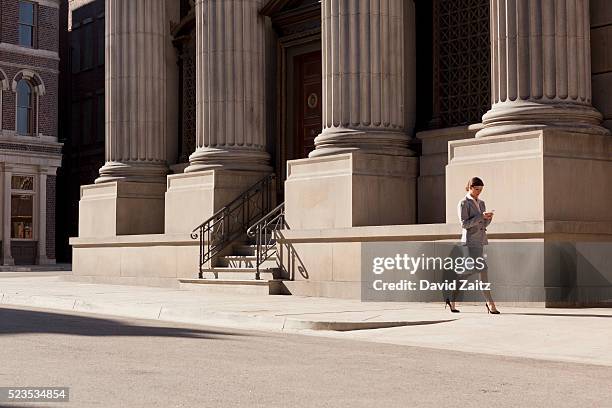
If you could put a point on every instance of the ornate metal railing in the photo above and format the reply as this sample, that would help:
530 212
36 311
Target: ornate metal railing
264 231
232 221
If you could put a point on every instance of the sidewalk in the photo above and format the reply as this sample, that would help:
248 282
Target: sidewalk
574 335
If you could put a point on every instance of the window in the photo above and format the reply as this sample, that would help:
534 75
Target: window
22 183
24 108
22 207
101 43
75 122
86 129
75 50
27 24
87 46
100 118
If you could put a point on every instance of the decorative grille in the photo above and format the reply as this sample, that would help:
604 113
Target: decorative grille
189 103
462 61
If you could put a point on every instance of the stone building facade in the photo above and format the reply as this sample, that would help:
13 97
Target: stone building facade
372 114
29 148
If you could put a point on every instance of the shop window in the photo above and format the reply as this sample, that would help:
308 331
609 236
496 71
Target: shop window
22 216
22 207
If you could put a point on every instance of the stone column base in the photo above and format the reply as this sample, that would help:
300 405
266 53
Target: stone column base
121 208
546 175
351 189
192 198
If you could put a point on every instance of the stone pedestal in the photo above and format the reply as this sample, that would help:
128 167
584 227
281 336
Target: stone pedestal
192 198
349 190
546 175
121 208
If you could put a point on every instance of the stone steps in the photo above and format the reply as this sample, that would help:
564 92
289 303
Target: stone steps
242 286
239 273
236 272
245 261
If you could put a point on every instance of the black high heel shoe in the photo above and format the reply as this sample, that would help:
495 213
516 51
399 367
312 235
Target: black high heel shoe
448 303
491 311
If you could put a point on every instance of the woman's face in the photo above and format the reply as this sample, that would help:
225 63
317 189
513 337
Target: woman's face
475 191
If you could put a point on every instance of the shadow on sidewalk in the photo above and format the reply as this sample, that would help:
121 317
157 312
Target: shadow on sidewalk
19 321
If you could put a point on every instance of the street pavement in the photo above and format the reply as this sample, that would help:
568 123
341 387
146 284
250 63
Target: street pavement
569 335
120 362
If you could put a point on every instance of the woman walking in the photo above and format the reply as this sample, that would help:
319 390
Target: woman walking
474 219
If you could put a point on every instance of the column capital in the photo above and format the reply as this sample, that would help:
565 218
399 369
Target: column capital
43 170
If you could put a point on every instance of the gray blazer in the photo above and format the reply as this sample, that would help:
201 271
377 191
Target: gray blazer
473 224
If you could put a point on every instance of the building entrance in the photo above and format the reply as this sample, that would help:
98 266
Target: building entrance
307 103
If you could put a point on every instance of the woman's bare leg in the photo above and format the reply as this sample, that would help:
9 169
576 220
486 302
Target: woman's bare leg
484 277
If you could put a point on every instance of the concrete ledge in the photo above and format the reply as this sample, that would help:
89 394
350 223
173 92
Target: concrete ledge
152 260
134 240
448 231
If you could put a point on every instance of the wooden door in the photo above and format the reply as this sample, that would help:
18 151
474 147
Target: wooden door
308 112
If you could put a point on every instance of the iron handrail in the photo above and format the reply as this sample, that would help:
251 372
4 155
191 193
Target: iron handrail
264 232
233 220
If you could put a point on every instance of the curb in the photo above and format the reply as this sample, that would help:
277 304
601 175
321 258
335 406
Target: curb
197 315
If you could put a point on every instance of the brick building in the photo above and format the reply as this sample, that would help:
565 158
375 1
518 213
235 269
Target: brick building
29 150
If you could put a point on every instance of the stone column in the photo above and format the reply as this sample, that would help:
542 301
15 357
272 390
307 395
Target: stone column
542 138
230 96
541 68
364 78
230 153
6 222
42 216
362 171
135 91
128 197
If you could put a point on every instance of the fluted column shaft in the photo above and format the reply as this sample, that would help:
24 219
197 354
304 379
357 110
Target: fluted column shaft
363 77
541 67
230 81
135 91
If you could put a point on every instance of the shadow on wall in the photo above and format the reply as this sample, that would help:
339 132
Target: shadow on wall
19 321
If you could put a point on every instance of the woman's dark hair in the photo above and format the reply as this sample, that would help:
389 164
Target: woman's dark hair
474 182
